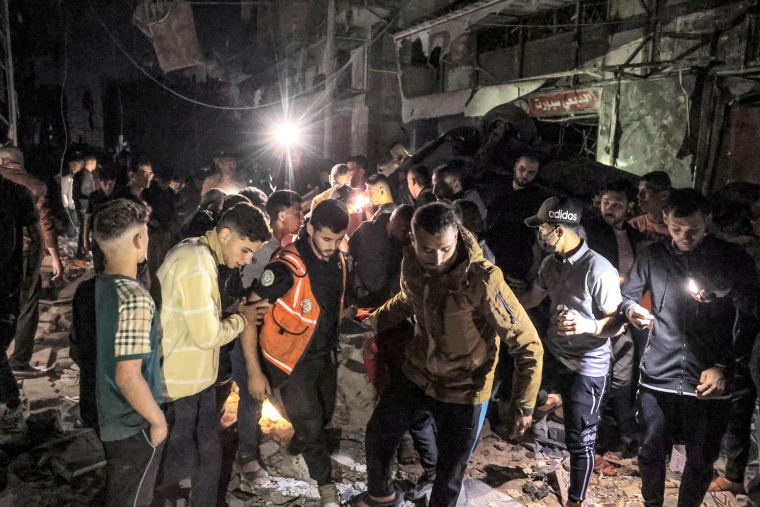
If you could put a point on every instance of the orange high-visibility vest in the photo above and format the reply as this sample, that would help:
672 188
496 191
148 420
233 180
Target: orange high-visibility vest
290 322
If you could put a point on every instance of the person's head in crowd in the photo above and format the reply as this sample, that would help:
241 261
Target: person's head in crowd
399 153
285 212
76 164
358 165
213 201
107 179
417 179
618 198
379 190
687 214
10 156
121 230
344 194
470 214
340 174
242 230
324 169
452 180
525 171
327 228
653 191
176 183
435 234
257 197
90 162
226 165
231 200
141 174
558 224
399 226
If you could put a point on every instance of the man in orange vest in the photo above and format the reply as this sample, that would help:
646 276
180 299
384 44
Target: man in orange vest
305 282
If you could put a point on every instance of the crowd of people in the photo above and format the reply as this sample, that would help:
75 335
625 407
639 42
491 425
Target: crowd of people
626 320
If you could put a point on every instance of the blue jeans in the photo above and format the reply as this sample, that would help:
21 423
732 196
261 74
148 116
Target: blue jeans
249 408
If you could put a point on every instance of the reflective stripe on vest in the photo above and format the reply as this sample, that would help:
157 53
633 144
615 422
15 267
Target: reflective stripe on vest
290 323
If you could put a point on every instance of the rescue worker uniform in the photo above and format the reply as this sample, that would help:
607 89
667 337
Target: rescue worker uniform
298 343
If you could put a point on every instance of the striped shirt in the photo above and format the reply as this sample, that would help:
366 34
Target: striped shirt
191 313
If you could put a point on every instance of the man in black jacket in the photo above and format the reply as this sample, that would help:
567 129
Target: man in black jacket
693 344
609 234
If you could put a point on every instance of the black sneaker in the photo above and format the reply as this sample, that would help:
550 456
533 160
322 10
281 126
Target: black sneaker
28 371
420 490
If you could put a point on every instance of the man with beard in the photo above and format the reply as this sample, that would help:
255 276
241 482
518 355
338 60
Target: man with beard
610 235
305 281
463 311
509 238
654 188
585 294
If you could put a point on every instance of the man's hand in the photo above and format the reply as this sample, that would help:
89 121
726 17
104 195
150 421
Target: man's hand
712 383
57 268
254 311
258 386
640 317
158 432
521 424
571 323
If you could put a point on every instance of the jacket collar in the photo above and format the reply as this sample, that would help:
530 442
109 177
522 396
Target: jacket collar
211 240
578 254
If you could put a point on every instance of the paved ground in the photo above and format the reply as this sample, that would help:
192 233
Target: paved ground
56 462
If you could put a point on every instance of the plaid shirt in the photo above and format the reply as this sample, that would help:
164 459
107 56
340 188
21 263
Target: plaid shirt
191 313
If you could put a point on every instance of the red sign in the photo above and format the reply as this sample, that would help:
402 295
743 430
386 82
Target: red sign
564 102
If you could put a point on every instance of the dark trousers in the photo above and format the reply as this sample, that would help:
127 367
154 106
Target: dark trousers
618 413
308 396
192 450
736 441
701 422
81 252
400 406
132 465
423 435
249 409
9 392
582 400
29 313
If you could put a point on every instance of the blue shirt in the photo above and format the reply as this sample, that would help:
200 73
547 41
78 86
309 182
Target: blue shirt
587 283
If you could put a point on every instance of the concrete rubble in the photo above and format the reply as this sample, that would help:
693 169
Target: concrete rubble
57 462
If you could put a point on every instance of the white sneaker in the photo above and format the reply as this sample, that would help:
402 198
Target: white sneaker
294 466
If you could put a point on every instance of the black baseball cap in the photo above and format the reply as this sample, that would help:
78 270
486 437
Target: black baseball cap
556 210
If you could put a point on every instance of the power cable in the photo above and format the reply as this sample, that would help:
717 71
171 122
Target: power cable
226 108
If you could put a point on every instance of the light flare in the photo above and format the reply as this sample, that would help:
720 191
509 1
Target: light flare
269 412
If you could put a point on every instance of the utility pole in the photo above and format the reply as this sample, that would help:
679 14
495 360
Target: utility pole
12 111
328 64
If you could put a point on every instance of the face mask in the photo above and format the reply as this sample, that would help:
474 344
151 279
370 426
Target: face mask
544 244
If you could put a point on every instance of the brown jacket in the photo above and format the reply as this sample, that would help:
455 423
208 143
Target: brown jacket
17 174
459 317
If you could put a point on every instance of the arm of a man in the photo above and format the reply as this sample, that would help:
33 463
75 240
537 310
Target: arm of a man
131 346
49 234
508 317
135 389
605 293
275 282
199 308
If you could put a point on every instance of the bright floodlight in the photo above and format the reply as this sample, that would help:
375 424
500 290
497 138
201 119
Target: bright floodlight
286 134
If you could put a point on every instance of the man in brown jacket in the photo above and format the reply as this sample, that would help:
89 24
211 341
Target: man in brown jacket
462 310
12 168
